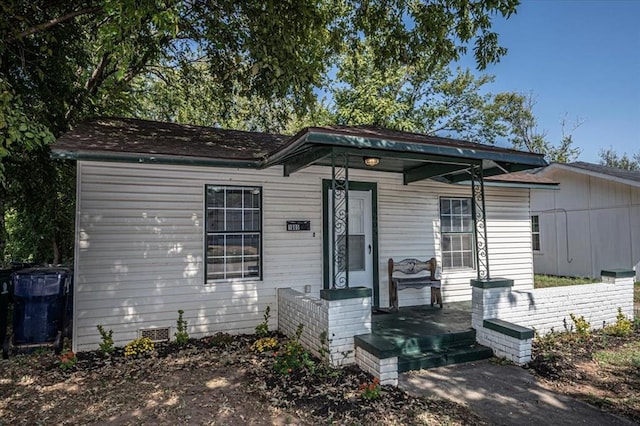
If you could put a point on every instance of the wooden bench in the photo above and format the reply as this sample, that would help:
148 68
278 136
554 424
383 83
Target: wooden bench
413 273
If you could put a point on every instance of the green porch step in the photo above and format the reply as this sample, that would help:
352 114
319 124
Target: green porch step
454 355
386 346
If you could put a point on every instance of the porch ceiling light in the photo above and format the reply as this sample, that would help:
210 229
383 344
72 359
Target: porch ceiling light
371 161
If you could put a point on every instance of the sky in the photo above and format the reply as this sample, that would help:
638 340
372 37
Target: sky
581 60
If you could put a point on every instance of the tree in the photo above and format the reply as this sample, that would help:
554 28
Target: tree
515 110
66 60
412 98
609 158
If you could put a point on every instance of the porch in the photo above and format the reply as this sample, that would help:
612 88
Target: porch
423 337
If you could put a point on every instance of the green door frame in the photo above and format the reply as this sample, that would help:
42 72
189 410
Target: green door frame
355 186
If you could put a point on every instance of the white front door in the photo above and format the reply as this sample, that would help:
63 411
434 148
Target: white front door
360 239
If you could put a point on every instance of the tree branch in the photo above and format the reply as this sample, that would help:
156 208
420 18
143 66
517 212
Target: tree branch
45 25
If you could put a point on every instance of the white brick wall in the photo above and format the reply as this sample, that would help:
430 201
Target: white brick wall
511 348
547 309
386 370
340 319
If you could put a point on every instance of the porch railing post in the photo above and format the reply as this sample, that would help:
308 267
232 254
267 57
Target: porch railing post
340 214
480 222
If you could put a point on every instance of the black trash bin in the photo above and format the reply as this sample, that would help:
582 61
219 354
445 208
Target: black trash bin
5 294
39 306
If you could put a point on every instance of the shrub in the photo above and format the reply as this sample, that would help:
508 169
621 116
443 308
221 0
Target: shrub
262 329
140 346
293 357
264 344
583 328
622 327
182 336
106 346
68 360
370 390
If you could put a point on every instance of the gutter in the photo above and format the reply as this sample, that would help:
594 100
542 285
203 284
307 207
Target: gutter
154 159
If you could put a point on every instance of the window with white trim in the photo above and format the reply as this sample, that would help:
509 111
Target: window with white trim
456 232
234 232
535 232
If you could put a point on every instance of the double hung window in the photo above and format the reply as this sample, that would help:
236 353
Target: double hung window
535 233
456 229
234 232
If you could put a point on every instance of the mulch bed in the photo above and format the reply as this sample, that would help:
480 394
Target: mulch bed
214 380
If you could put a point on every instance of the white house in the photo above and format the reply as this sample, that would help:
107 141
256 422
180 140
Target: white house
215 221
591 223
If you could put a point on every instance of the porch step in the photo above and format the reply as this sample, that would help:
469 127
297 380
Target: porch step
386 346
449 356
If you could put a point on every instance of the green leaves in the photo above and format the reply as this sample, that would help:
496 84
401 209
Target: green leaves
18 131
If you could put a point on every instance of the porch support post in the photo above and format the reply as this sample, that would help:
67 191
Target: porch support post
340 212
479 219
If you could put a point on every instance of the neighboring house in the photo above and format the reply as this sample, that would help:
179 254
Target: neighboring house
592 223
215 221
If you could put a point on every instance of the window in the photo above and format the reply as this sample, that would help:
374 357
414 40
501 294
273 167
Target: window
535 233
234 232
456 229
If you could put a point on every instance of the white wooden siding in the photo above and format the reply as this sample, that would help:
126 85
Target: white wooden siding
140 244
603 228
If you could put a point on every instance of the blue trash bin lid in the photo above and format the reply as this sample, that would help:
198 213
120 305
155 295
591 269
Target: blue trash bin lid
34 282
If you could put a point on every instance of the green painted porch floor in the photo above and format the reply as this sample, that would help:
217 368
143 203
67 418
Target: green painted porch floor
424 337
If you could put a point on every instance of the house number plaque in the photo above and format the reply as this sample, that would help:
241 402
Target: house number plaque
298 225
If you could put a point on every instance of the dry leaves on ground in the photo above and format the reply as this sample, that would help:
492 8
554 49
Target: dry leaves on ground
205 382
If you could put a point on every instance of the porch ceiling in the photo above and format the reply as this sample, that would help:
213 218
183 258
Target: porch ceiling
424 157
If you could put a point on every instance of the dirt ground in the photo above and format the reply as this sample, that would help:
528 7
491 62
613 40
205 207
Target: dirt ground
202 383
221 381
570 366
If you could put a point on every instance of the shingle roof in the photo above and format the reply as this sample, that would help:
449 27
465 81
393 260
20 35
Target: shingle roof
632 175
522 177
134 140
128 135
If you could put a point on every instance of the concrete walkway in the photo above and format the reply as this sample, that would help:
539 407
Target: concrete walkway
504 395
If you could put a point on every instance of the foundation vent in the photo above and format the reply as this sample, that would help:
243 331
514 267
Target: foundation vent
155 334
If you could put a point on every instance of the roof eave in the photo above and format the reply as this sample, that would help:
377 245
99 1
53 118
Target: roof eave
579 170
489 183
325 138
151 158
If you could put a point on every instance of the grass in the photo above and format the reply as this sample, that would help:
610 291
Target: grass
627 355
544 281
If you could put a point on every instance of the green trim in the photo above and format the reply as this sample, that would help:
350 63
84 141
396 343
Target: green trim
431 170
355 186
305 159
508 328
345 293
377 346
425 148
493 184
153 159
492 283
618 273
409 156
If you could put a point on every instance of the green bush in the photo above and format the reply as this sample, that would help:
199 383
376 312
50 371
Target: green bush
106 346
622 327
582 326
262 329
182 336
293 357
